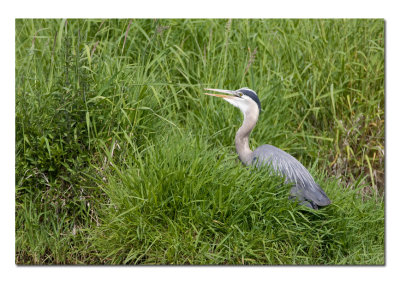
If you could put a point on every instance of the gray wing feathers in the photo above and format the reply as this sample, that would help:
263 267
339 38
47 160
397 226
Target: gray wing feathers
293 171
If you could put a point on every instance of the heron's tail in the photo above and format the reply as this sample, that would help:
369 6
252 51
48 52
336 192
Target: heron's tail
312 196
319 197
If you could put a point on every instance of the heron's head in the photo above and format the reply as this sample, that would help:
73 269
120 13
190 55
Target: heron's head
244 98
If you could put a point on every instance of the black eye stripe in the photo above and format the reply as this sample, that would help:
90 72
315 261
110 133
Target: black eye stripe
252 95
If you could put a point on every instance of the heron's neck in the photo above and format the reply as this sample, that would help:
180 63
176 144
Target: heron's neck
242 138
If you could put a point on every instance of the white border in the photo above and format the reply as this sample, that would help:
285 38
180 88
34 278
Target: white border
199 9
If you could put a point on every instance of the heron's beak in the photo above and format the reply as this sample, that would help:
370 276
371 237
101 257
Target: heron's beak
232 92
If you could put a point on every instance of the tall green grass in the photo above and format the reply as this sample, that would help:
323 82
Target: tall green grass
194 204
120 158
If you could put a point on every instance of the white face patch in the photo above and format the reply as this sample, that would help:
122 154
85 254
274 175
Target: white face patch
244 103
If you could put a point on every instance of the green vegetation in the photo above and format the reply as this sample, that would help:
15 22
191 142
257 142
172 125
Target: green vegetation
121 159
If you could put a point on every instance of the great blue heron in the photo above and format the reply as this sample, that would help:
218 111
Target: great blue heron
304 189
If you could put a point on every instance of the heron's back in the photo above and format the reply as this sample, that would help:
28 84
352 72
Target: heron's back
293 171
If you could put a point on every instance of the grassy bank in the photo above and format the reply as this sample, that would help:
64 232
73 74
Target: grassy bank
120 158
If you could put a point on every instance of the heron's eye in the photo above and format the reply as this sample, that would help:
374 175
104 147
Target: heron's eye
240 94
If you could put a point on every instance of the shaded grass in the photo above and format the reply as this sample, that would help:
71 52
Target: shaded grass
121 159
